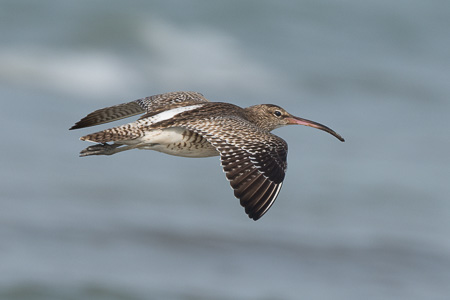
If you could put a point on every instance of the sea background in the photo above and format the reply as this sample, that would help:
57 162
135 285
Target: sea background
364 219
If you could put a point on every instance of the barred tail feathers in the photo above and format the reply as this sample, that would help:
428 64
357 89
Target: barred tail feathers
116 134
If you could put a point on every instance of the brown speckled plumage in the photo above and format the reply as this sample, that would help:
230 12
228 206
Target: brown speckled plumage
186 124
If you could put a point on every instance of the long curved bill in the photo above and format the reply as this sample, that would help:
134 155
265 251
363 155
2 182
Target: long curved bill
299 121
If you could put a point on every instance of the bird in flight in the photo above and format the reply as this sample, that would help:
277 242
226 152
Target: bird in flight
187 124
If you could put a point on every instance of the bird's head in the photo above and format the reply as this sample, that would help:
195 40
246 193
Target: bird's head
269 117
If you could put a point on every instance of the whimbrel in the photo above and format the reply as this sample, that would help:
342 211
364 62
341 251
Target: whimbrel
187 124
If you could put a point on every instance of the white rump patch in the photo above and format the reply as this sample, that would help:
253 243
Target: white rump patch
165 115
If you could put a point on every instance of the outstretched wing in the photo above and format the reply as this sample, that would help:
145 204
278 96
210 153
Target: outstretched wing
256 178
254 160
149 105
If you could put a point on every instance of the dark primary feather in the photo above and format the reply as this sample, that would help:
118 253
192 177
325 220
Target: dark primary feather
149 105
256 188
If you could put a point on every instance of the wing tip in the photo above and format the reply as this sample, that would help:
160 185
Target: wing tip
76 126
83 123
256 212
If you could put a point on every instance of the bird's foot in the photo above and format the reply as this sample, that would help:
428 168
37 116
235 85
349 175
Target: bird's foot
100 149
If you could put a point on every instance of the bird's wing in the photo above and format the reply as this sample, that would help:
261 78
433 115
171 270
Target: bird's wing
149 105
157 102
257 177
253 159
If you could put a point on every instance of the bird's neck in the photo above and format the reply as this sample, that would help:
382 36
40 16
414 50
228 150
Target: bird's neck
257 117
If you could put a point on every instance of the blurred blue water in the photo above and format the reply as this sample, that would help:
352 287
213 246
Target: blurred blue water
368 219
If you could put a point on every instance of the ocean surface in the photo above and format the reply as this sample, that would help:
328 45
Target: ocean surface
365 219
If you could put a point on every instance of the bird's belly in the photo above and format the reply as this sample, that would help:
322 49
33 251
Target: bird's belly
176 141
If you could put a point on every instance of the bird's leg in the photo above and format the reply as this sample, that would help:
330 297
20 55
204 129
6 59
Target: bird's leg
105 149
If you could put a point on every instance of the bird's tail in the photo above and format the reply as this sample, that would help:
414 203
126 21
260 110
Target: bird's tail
116 134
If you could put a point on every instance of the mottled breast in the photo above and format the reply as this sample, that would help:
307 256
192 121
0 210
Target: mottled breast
177 141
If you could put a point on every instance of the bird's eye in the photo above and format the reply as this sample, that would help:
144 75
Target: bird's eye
277 113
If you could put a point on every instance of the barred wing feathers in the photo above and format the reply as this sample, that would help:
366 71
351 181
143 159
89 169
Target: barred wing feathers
149 105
